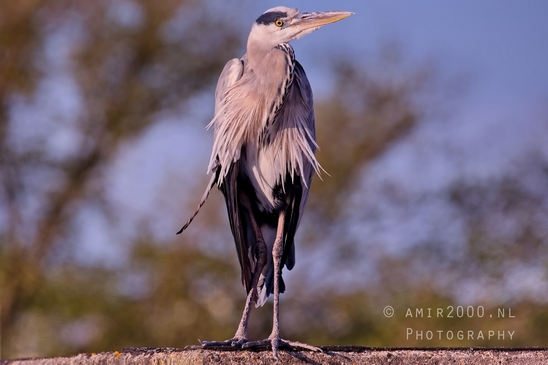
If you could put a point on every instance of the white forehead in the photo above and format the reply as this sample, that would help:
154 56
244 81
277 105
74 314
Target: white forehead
283 9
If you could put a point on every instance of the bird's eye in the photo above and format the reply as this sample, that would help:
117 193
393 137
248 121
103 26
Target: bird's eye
279 23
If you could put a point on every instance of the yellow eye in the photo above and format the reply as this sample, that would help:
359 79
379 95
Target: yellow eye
279 23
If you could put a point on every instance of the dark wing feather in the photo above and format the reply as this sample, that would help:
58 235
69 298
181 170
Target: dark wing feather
239 221
293 214
212 182
298 193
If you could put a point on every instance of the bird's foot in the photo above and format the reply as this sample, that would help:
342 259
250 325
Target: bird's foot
276 343
233 342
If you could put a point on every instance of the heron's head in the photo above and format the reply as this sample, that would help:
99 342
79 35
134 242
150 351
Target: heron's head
281 24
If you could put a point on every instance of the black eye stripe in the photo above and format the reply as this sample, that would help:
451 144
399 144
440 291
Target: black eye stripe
269 18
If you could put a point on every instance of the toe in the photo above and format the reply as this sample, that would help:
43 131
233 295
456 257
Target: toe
239 342
274 342
261 343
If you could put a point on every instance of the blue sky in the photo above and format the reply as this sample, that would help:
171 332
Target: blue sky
503 43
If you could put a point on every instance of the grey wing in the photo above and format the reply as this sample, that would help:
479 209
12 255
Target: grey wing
231 73
300 94
298 104
238 216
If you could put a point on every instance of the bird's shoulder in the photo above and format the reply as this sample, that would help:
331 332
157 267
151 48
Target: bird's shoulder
231 73
300 75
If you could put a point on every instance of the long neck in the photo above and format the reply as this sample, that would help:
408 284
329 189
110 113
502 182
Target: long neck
257 51
270 63
263 50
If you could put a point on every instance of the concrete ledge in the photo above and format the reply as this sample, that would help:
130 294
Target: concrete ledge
332 355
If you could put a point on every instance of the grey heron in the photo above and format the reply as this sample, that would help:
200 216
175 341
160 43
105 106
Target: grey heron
263 156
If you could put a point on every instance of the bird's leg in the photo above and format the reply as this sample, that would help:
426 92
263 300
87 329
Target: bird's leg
274 339
277 251
241 333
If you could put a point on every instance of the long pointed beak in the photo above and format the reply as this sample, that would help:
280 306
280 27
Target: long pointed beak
316 20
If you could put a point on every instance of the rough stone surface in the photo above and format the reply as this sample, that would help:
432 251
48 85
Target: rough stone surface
331 355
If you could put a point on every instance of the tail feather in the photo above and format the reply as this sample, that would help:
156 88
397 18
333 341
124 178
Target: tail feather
210 186
265 287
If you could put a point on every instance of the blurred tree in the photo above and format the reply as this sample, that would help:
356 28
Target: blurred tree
506 231
78 80
81 80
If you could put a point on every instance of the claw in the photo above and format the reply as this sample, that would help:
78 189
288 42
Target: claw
260 343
